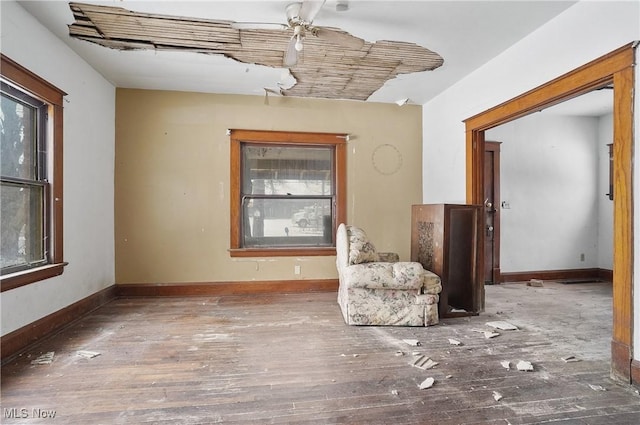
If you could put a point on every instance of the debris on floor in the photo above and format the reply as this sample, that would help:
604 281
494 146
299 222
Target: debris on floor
87 354
502 325
506 364
524 366
423 362
457 310
570 359
427 383
399 353
487 334
412 342
454 341
537 283
597 387
394 392
497 396
46 358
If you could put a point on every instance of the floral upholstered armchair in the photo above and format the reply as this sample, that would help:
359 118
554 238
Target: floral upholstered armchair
377 289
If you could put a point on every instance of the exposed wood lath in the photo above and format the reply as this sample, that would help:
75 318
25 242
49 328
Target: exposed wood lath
325 70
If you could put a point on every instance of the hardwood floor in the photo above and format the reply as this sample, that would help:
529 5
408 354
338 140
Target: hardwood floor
273 359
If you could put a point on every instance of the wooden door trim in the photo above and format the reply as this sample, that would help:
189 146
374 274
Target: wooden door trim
617 68
495 148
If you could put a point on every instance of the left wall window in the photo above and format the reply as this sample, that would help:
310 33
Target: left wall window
31 177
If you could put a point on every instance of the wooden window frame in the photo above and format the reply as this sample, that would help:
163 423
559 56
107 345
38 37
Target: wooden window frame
237 137
23 79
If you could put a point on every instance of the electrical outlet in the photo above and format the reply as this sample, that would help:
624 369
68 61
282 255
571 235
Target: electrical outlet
582 257
296 269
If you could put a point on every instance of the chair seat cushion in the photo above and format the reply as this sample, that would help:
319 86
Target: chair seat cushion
401 275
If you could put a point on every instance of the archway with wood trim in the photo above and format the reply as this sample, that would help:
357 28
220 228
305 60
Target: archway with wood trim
614 68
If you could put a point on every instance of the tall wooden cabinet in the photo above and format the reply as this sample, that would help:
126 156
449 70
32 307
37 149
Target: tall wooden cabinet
445 240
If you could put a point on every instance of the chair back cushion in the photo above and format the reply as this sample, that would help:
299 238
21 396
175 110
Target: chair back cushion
361 250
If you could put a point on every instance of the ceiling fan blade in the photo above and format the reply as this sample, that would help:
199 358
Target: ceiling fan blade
339 37
309 10
291 54
258 26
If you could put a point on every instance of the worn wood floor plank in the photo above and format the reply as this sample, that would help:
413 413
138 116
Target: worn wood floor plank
290 359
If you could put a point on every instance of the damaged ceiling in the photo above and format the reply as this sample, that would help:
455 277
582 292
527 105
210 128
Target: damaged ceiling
467 34
325 69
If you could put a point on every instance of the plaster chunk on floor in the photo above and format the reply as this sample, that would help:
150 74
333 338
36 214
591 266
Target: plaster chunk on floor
524 366
570 359
87 354
536 283
427 383
502 325
423 362
45 358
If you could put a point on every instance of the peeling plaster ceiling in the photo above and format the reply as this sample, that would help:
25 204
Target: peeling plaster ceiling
466 34
326 69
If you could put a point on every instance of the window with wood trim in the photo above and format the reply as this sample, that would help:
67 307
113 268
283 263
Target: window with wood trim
31 177
287 192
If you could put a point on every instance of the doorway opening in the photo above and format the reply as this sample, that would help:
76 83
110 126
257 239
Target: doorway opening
614 68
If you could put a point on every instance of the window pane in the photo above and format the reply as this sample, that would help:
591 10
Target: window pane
21 237
287 170
286 222
18 132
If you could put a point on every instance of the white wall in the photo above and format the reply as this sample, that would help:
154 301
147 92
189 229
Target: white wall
89 113
581 34
549 177
605 205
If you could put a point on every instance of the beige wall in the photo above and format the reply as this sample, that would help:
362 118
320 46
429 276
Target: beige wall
172 180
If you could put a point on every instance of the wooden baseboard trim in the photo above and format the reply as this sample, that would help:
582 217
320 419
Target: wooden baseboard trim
606 275
569 274
225 288
20 339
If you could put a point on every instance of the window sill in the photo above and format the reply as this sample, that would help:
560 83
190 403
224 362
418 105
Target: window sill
25 277
282 252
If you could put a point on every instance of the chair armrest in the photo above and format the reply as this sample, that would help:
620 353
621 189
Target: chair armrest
431 283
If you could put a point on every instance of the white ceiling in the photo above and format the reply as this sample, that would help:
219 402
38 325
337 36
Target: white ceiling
466 34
